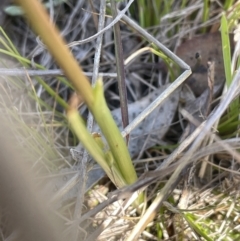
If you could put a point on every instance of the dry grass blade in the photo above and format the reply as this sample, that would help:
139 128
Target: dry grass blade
55 72
203 131
158 175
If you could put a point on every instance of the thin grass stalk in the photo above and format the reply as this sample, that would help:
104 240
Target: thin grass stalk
205 16
120 68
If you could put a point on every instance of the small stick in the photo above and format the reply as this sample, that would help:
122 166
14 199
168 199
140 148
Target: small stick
211 80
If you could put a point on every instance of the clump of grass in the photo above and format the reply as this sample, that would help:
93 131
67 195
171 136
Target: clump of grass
196 221
27 124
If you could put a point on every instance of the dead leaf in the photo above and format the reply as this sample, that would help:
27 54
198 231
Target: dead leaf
209 46
153 128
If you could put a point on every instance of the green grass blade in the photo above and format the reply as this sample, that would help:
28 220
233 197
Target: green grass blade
226 48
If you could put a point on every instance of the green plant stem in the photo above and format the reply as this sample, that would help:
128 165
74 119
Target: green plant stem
92 146
94 98
113 135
